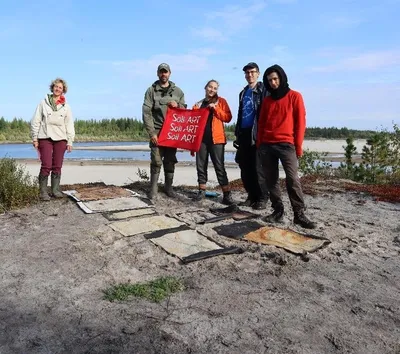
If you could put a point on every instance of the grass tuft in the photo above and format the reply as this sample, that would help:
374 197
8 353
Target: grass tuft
156 290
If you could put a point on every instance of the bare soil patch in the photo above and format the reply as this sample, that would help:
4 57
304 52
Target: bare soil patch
56 261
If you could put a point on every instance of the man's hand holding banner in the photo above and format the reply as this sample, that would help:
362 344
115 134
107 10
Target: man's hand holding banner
183 128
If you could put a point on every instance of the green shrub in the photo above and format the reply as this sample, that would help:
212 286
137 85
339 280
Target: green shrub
314 163
17 187
380 159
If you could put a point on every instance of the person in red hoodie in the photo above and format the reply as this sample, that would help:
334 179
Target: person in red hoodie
281 129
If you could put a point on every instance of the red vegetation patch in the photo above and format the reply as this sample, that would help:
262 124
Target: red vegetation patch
77 186
308 184
380 192
236 185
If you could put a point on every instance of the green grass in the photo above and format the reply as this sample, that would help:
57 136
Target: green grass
156 290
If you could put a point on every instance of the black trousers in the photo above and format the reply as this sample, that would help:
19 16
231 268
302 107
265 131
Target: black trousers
217 154
251 171
162 156
286 153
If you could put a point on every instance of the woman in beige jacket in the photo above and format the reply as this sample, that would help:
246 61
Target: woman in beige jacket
52 132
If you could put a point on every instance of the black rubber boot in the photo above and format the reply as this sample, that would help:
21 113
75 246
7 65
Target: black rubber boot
43 194
153 185
169 178
55 186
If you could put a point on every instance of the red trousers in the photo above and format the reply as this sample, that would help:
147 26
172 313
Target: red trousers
51 156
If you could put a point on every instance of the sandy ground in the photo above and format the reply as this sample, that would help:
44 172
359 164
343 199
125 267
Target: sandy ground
343 298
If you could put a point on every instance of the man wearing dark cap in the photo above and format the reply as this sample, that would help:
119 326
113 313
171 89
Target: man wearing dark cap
280 136
158 97
247 155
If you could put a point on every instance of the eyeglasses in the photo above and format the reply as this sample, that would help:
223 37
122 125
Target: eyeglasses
252 72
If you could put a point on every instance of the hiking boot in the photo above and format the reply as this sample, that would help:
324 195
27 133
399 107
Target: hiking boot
303 221
153 185
169 177
247 203
201 194
227 199
55 186
259 205
43 194
276 216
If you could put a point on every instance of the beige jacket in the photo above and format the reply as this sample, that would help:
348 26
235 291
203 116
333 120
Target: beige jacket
56 125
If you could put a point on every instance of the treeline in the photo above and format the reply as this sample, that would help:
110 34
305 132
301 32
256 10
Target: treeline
120 129
15 130
124 128
337 133
130 129
327 133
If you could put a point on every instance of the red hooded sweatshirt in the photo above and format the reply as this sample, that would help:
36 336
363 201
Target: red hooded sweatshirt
283 121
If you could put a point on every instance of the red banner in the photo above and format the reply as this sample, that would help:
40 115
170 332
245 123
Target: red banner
183 128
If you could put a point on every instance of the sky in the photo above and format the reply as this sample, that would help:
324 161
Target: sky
343 56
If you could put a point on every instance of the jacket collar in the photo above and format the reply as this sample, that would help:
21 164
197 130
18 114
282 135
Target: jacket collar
50 102
157 86
257 89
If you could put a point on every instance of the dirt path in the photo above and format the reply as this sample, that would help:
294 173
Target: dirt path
55 262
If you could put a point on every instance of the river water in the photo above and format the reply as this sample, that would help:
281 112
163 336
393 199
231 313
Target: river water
26 151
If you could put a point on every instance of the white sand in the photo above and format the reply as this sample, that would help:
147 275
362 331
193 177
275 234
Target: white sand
126 173
330 146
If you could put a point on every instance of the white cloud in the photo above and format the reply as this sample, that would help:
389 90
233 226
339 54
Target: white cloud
280 53
275 25
210 34
95 62
206 51
330 52
285 1
352 106
237 17
363 62
11 30
192 61
229 20
188 62
342 21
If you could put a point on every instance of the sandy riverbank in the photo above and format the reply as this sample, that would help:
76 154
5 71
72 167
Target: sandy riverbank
125 172
120 173
329 146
